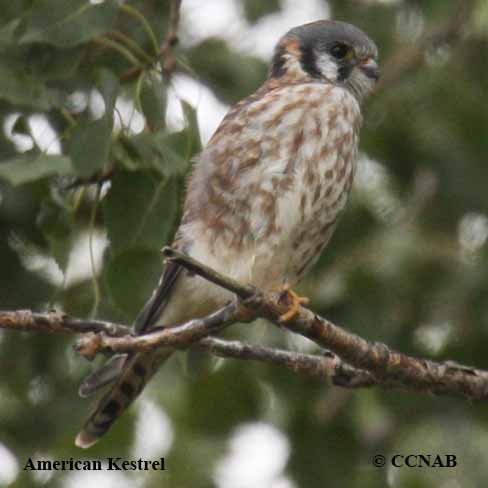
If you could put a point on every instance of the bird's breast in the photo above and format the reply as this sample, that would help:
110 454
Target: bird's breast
299 200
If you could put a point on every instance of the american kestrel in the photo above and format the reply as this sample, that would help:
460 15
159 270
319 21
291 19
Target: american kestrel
264 196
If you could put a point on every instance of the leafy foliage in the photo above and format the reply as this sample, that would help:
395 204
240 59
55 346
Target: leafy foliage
67 23
150 210
23 169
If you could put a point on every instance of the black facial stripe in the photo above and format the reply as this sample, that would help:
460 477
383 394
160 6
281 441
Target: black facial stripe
344 72
308 61
278 63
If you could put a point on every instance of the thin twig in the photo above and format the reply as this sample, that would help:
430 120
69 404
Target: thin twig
327 365
94 277
169 60
166 50
145 24
181 336
132 45
192 265
106 42
25 320
96 179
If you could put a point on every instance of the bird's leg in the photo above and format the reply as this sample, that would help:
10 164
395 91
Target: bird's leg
292 300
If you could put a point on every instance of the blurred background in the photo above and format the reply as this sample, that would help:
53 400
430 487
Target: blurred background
94 148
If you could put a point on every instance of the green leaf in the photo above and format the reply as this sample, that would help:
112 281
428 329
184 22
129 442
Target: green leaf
140 209
194 141
21 88
8 31
90 146
12 10
109 87
153 101
138 151
67 23
170 153
175 150
131 276
23 169
56 224
159 150
47 63
122 154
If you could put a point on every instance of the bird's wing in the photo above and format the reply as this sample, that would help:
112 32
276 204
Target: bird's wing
106 374
148 316
153 309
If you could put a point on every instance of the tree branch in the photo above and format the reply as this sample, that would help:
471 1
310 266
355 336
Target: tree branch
181 336
349 360
25 320
166 51
327 365
386 365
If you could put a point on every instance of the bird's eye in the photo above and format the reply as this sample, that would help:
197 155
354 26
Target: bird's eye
341 51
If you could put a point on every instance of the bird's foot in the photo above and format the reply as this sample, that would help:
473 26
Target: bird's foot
292 300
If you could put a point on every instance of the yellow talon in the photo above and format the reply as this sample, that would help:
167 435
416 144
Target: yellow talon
289 297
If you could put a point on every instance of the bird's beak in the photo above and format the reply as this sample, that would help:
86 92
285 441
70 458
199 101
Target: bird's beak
370 68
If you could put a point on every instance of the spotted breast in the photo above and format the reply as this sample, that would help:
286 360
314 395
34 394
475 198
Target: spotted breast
274 193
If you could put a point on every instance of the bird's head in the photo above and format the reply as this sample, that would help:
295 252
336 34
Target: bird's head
332 51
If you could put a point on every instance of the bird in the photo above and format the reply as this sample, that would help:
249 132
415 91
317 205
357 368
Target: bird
263 198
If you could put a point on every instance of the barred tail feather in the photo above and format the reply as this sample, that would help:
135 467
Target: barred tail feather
136 373
105 375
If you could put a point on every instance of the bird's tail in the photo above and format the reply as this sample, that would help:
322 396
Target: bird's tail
137 370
